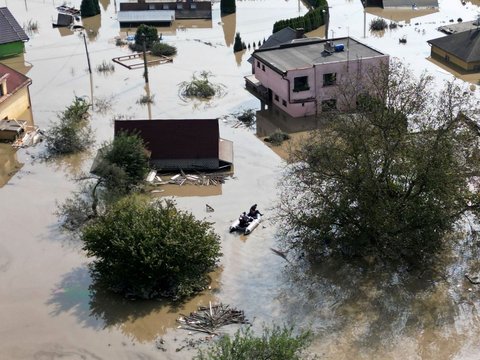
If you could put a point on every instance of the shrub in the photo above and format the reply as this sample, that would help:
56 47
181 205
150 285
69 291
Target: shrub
159 49
146 99
200 87
274 344
277 138
378 24
105 67
149 250
70 134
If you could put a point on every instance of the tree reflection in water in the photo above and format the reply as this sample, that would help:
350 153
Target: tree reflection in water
362 311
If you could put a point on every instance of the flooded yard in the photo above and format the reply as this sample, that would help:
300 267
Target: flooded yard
49 309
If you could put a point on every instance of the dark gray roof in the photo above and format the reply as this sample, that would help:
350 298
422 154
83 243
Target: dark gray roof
464 45
285 35
10 30
304 53
410 3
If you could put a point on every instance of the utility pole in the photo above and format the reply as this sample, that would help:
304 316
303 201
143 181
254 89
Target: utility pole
145 74
86 50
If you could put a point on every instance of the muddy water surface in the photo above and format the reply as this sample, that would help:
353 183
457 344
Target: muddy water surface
49 310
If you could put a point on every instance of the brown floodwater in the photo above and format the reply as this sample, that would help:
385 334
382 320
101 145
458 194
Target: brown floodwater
49 308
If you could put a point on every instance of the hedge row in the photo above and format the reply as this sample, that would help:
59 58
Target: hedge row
310 21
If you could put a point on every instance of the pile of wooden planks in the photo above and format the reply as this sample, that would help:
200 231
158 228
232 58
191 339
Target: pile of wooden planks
200 179
209 318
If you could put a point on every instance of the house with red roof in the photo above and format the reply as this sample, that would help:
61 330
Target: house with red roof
188 144
12 36
14 94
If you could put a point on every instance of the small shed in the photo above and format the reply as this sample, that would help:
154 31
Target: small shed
188 144
12 36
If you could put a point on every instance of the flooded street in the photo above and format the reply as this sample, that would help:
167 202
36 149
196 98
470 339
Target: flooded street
49 311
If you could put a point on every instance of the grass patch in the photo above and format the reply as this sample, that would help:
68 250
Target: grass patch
378 24
146 99
277 138
105 67
31 26
200 87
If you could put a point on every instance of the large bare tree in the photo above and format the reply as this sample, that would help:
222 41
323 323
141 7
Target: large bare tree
389 178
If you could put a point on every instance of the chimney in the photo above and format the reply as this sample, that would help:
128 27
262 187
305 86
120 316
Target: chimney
300 32
3 85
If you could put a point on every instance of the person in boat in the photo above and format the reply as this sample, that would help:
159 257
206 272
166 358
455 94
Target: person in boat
253 213
244 220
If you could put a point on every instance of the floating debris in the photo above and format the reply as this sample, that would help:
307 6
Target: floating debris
188 179
209 319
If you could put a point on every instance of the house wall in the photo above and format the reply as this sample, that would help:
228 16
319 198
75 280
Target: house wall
15 105
309 102
183 9
448 57
12 49
185 164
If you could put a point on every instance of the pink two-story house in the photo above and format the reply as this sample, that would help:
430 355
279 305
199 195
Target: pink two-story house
302 77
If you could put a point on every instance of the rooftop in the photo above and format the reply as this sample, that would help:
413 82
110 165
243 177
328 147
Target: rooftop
410 3
146 16
15 80
10 30
464 45
304 53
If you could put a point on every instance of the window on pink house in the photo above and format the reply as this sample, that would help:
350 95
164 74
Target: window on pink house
329 105
276 98
284 103
300 84
329 79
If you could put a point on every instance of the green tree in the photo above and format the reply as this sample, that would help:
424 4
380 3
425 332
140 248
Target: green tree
238 45
276 343
71 133
149 33
123 163
148 250
89 8
390 179
227 6
119 168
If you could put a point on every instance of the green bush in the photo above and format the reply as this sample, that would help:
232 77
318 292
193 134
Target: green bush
274 344
200 87
277 138
159 49
150 250
378 24
71 133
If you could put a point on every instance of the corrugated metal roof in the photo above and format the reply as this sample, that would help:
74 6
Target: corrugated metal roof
175 138
146 16
10 30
